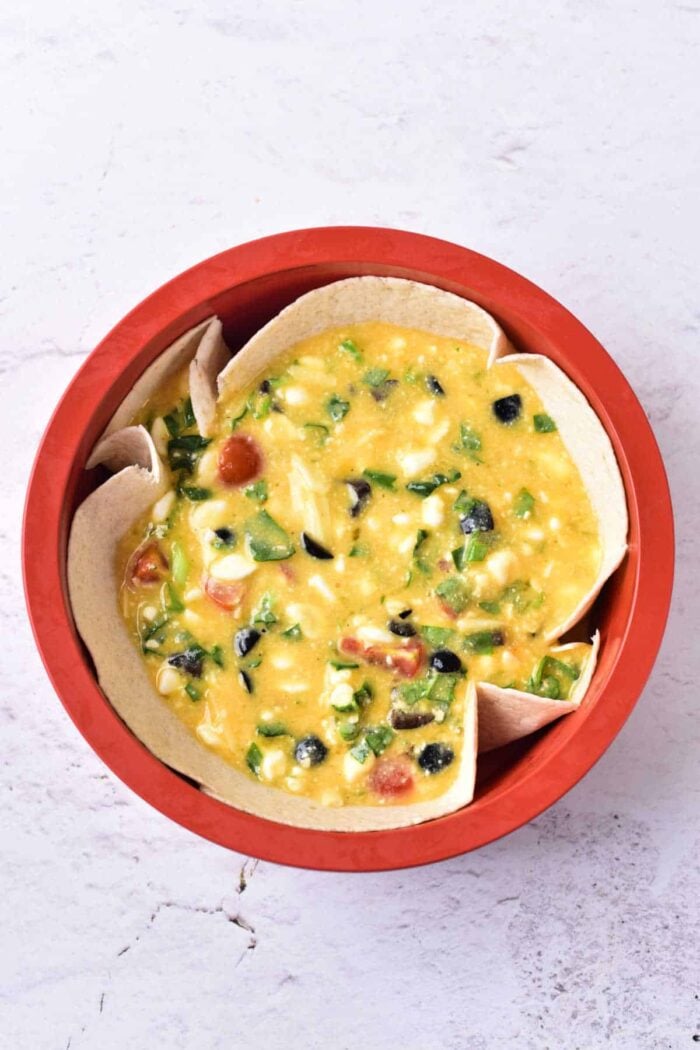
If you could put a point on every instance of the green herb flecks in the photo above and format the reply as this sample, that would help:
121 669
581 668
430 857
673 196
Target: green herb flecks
475 549
436 637
379 477
454 593
263 612
253 758
428 485
543 423
348 346
524 504
293 633
482 643
185 450
469 442
257 491
378 738
271 729
195 493
522 596
319 431
374 377
337 408
239 418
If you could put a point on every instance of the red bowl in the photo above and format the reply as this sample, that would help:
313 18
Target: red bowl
246 286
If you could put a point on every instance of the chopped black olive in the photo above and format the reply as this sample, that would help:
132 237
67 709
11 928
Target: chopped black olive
507 409
401 719
435 757
434 386
381 392
405 613
444 661
402 628
245 640
360 492
265 387
190 661
312 547
246 681
310 751
478 519
226 536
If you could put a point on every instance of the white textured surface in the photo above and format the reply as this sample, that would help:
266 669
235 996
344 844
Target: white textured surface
560 138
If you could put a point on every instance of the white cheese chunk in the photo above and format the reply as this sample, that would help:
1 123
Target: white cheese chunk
160 435
295 395
273 764
425 413
414 461
162 508
500 565
433 511
232 567
320 585
168 680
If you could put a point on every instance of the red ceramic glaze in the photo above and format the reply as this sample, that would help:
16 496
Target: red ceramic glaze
246 286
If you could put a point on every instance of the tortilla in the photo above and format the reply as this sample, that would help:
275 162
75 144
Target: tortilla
358 299
107 514
508 714
202 343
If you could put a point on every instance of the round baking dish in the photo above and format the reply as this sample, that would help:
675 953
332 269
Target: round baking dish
246 286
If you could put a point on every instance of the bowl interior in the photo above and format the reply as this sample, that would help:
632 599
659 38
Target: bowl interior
244 308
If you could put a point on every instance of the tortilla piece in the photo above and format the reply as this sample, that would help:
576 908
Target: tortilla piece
97 527
130 447
158 372
508 714
211 357
591 450
357 299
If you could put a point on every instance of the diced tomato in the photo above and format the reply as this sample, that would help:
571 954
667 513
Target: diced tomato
448 611
391 776
406 659
149 564
240 460
228 596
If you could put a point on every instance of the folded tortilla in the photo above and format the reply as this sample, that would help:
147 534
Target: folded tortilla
501 715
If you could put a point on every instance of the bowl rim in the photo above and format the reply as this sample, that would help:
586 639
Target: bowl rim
130 346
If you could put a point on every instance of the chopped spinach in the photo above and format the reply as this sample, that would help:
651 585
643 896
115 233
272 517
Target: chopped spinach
337 408
379 477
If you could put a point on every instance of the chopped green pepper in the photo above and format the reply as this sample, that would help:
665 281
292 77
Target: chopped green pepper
267 540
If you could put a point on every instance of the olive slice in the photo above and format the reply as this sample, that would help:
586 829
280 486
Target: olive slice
360 492
507 409
245 640
444 661
434 386
401 719
402 628
435 757
314 548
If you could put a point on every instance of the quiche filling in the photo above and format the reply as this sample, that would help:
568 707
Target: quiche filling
375 521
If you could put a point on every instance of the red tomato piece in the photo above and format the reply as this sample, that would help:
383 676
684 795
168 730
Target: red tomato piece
391 776
240 460
149 564
406 659
228 596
